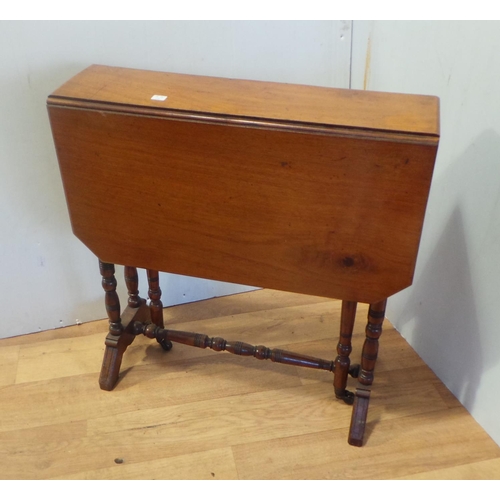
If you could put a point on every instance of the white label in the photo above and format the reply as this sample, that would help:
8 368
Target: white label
159 98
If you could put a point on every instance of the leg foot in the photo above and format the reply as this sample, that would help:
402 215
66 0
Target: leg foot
116 345
112 360
358 419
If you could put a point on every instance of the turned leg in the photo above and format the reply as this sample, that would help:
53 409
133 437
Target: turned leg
114 351
154 293
132 282
344 348
120 334
376 315
111 300
156 306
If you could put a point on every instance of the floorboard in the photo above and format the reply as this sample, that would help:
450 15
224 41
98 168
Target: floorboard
197 414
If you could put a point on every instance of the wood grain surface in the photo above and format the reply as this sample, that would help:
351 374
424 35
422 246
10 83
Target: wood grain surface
330 211
247 99
196 414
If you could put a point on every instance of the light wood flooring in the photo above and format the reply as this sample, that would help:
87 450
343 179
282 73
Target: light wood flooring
197 414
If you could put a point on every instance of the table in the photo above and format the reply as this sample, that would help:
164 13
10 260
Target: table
299 188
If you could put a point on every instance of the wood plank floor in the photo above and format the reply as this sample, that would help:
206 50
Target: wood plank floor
196 414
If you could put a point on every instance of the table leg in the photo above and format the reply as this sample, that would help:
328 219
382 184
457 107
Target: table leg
154 293
376 315
114 341
344 348
120 334
132 282
156 305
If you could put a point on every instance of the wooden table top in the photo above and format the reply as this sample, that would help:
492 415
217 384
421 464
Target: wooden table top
255 101
298 188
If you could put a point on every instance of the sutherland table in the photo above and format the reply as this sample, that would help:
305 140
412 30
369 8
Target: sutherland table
306 189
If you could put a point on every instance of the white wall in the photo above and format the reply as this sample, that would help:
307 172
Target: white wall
48 278
450 314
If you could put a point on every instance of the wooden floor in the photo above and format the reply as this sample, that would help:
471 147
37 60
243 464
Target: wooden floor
197 414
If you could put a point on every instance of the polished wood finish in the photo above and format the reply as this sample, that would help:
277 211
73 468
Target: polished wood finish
212 99
196 414
132 283
121 333
116 345
298 188
376 315
156 305
358 418
234 347
154 293
289 187
344 348
112 301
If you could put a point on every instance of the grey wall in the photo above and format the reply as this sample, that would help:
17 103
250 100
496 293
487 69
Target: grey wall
450 314
49 278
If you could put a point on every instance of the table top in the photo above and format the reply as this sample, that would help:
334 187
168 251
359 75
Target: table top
299 188
253 101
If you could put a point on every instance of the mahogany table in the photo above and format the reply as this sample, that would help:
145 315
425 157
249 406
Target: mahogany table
305 189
